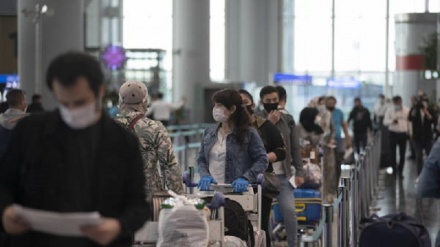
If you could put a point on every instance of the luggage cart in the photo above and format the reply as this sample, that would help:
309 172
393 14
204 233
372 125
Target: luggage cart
251 200
148 235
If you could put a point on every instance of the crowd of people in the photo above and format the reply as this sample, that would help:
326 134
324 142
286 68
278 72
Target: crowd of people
78 159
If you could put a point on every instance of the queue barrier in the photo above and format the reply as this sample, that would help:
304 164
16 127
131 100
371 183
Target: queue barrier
357 194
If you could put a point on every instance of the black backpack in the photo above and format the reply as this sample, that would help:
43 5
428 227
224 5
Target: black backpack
393 230
236 221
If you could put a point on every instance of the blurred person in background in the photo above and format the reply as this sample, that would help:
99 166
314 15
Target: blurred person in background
423 120
161 110
396 118
340 126
16 100
362 124
36 105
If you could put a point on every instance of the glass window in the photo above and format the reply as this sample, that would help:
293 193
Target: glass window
217 40
148 24
312 36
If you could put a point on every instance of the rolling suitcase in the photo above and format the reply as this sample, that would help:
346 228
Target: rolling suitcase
307 204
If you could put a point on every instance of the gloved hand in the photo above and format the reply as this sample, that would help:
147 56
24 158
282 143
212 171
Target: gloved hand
240 185
205 182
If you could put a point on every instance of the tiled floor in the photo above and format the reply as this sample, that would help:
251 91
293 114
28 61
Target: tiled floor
399 195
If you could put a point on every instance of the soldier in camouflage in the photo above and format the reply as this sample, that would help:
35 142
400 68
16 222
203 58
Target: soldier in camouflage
156 146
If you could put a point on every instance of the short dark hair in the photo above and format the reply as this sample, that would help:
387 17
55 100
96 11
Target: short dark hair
36 97
268 90
331 98
68 67
282 94
397 99
160 95
242 91
15 97
357 99
381 96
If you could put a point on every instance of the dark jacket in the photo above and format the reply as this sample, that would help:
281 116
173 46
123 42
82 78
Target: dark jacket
421 131
272 139
287 127
361 119
33 171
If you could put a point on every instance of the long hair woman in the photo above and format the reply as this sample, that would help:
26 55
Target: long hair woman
231 150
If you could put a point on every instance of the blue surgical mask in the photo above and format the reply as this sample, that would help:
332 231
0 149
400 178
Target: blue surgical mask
397 107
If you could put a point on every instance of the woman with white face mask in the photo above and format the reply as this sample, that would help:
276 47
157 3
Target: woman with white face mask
232 152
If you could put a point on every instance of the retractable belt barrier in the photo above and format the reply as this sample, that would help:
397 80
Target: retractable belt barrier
357 192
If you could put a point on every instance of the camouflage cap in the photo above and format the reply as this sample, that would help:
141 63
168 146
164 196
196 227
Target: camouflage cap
133 92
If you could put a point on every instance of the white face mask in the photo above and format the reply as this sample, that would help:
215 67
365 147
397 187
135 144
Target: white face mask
219 115
80 118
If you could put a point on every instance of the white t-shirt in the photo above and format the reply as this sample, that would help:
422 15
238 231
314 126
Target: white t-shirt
161 110
217 158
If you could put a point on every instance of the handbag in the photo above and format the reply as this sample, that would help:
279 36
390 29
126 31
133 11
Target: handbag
271 184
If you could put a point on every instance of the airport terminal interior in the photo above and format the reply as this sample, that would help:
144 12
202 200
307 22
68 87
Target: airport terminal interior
361 75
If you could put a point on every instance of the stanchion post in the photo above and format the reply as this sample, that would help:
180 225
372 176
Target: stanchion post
327 235
355 204
191 175
344 209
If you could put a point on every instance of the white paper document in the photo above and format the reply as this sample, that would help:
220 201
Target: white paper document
63 224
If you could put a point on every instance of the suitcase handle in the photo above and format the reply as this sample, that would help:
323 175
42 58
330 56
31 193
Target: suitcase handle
300 207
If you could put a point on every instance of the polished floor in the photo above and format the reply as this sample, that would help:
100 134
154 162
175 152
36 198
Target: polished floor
399 195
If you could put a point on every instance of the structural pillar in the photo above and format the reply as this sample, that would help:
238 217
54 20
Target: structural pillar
253 40
190 52
411 31
60 29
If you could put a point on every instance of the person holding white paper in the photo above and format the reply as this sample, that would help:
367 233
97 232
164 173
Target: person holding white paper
73 160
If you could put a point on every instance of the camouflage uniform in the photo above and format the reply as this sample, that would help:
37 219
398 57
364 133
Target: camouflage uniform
156 147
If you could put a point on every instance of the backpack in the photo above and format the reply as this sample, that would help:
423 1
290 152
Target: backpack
236 221
393 230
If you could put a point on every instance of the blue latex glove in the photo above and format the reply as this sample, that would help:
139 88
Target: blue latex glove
240 185
205 182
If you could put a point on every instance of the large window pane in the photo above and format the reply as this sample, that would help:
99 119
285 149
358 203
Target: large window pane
147 24
312 36
217 40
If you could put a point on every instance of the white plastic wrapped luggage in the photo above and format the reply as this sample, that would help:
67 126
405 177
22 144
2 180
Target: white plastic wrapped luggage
182 225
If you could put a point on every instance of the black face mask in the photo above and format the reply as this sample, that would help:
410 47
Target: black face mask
330 108
250 109
270 106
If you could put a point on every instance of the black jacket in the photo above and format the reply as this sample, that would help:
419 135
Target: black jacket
272 139
422 131
361 120
33 171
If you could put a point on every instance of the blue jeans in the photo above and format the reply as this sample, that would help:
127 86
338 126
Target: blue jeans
287 206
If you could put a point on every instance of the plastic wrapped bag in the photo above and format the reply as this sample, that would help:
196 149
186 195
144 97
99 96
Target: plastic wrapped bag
182 224
312 176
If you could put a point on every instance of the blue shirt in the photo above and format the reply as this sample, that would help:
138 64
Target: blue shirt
338 119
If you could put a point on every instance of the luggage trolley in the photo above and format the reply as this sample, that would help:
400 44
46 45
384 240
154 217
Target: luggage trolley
148 235
249 200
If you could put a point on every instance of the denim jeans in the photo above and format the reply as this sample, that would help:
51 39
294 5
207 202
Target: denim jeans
287 206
